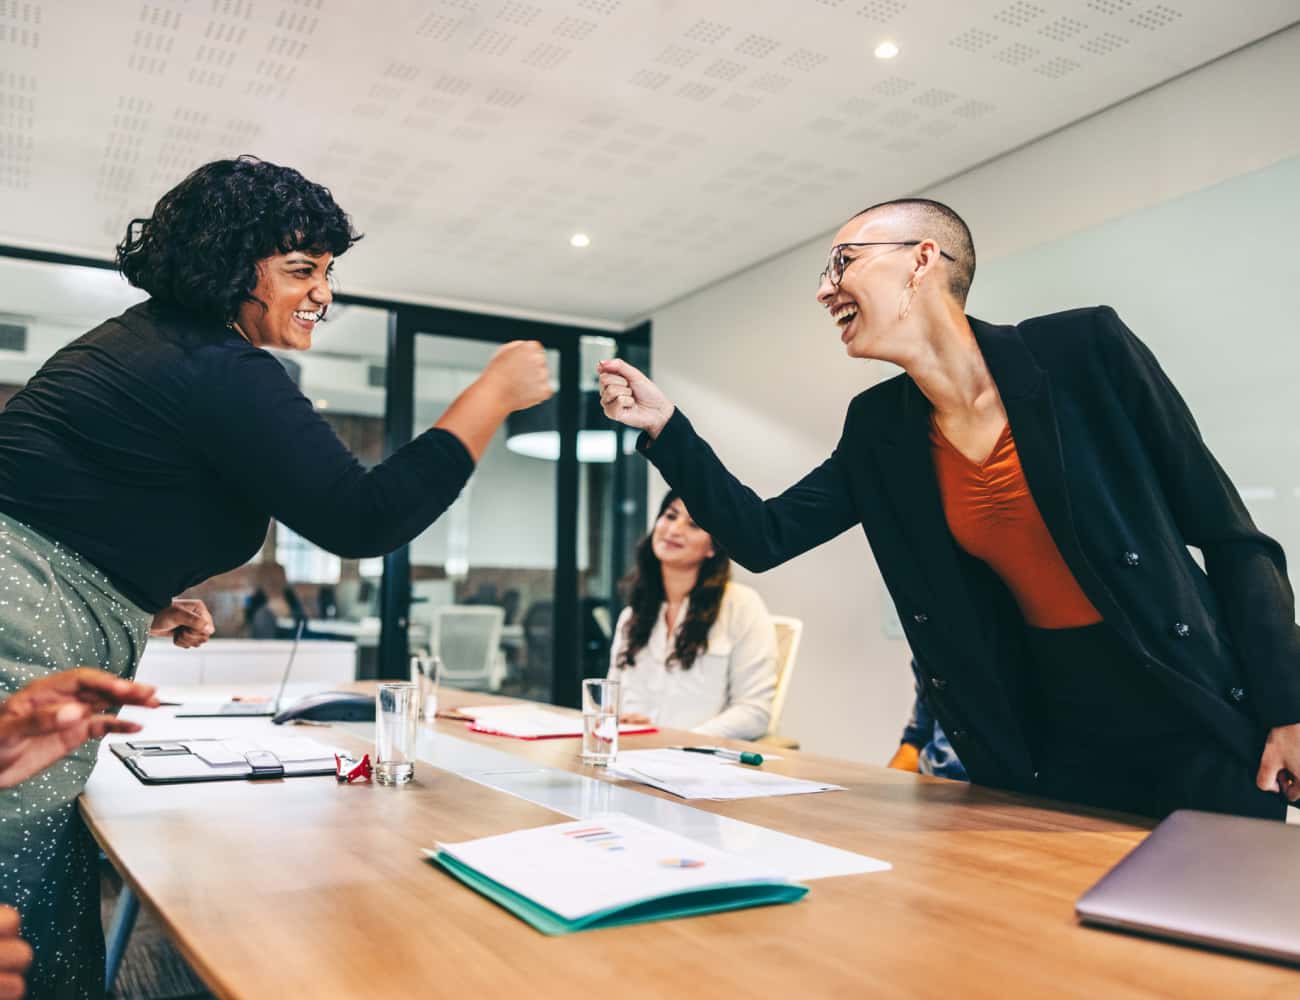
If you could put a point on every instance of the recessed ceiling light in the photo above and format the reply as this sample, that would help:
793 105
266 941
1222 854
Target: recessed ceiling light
580 240
886 50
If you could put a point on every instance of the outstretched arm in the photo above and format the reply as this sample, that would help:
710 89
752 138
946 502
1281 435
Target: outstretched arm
757 533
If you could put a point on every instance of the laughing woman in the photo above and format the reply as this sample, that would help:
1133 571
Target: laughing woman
151 454
693 649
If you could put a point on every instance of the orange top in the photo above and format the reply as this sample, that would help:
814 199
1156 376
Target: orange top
992 515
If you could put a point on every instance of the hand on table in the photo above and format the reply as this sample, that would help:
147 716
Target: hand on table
53 716
632 399
635 719
15 956
1279 766
187 621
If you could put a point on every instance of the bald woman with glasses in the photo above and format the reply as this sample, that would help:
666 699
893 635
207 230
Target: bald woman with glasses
1029 493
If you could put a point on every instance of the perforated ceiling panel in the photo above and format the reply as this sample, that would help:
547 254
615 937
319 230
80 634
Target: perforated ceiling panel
471 138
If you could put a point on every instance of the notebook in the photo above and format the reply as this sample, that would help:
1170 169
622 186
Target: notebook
1225 882
606 871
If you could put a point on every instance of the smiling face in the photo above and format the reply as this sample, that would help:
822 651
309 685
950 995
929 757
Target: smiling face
875 281
295 290
677 541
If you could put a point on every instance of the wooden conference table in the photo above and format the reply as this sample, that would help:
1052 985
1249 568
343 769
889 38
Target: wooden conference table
308 888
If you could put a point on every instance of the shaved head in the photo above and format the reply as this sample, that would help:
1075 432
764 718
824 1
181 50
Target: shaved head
921 219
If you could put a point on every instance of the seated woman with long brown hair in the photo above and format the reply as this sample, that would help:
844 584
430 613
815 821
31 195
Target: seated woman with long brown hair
693 649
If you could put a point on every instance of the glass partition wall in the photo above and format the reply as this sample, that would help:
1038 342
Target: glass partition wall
534 547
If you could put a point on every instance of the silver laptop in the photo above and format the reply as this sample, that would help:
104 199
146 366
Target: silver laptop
1224 882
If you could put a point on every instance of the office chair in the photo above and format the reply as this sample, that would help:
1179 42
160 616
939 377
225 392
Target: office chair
788 633
467 638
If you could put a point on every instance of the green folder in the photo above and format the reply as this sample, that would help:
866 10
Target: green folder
687 903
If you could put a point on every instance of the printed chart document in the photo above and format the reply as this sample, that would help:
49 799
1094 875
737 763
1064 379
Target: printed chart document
528 722
606 871
701 776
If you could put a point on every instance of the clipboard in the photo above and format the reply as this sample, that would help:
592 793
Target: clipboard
179 761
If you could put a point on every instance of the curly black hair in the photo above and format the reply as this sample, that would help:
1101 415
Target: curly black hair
646 583
199 250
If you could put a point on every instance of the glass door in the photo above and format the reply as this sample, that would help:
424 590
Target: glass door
482 577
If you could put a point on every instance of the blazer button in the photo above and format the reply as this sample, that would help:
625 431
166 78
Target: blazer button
938 683
920 618
1131 558
957 734
1181 630
1237 694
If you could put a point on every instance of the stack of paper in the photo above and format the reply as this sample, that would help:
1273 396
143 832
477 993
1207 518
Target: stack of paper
529 722
608 870
701 776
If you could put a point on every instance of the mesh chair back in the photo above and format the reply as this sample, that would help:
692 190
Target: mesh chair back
467 638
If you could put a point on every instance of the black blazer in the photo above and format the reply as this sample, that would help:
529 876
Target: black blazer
1124 482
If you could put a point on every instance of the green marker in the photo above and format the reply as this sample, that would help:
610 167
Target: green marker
744 756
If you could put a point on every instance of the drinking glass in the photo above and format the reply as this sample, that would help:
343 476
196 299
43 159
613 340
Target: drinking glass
396 714
599 721
426 672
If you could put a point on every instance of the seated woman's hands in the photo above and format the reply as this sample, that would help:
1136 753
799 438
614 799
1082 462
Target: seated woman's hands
187 621
632 399
53 716
635 719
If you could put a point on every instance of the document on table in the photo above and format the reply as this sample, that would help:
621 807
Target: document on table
529 722
608 870
701 776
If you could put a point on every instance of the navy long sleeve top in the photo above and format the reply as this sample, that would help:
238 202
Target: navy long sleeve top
158 447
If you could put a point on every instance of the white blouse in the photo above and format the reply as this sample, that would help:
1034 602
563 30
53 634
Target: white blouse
726 692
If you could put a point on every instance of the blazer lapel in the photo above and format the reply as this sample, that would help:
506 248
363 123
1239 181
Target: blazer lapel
907 470
1027 395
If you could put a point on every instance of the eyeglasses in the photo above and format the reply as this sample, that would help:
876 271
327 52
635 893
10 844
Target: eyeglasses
837 263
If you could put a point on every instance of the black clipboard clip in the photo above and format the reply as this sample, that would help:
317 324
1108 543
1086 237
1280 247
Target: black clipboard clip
264 764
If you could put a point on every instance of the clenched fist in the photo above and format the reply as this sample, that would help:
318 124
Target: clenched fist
632 399
518 374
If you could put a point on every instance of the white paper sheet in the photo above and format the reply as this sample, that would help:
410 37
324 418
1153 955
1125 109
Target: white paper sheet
702 776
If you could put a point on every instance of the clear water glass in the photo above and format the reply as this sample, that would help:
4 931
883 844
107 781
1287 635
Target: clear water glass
426 673
397 710
599 721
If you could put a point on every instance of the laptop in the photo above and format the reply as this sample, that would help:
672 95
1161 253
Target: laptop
244 709
1224 882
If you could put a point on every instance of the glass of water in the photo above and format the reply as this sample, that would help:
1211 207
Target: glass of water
426 672
599 721
397 711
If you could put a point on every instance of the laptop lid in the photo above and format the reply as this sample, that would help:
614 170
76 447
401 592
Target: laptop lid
195 710
1225 882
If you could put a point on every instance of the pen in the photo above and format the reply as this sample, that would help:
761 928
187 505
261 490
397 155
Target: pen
744 756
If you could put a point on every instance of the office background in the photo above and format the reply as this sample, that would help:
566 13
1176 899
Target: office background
1176 205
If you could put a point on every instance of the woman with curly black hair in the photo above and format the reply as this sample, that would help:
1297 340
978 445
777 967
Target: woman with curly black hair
151 454
693 649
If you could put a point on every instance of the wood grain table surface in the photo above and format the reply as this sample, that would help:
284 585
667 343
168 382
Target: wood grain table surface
308 888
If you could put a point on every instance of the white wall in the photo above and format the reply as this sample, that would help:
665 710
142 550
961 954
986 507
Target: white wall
760 371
